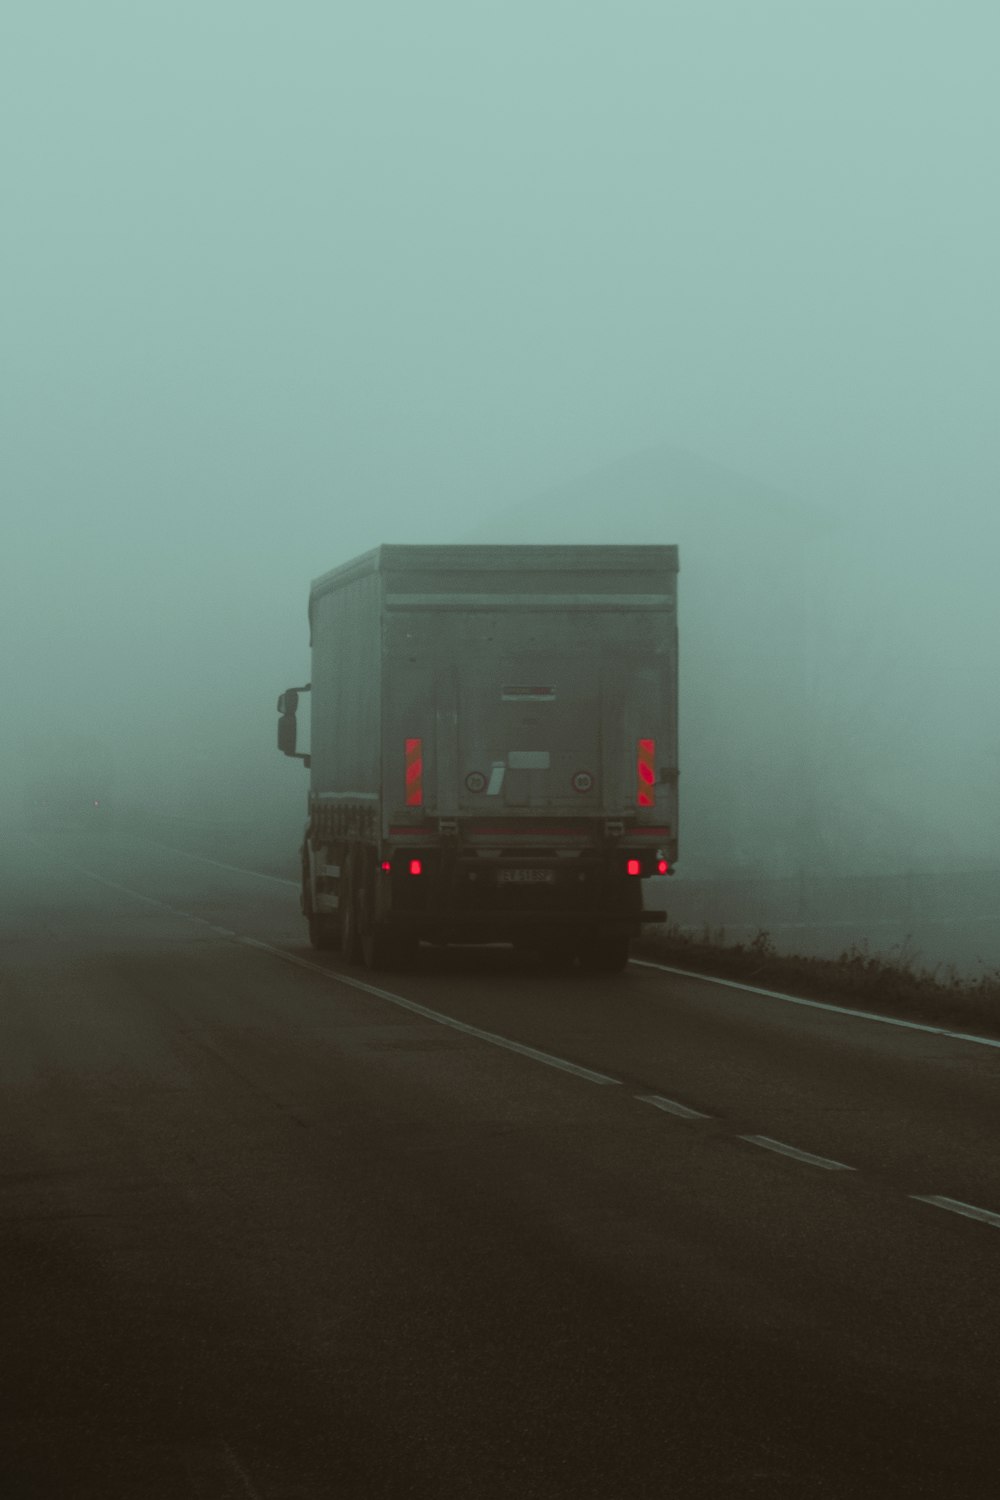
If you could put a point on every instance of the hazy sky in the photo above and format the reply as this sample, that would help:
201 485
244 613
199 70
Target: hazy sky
283 281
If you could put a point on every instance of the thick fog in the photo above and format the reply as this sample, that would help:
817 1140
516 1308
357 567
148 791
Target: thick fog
283 282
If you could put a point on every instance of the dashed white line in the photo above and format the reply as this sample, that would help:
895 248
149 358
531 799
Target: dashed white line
176 911
840 1010
659 1101
796 1154
221 865
671 1107
494 1040
955 1206
643 963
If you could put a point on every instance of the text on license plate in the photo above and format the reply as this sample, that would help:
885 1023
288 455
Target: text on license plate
526 877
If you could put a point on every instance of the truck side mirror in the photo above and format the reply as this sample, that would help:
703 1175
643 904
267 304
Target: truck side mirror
287 734
288 703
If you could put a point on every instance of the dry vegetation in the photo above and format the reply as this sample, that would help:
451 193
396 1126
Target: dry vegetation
896 985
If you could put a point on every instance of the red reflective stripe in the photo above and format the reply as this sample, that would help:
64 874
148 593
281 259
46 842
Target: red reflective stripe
414 773
644 762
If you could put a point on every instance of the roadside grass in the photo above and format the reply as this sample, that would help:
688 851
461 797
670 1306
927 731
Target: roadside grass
896 983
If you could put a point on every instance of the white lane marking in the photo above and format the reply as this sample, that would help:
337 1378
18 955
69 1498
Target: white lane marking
967 1210
891 922
370 989
840 1010
796 1154
732 984
126 890
433 1015
672 1107
221 865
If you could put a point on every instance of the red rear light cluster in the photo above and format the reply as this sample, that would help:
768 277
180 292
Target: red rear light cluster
416 867
646 865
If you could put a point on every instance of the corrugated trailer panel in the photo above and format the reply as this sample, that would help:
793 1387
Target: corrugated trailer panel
346 687
530 678
522 711
505 680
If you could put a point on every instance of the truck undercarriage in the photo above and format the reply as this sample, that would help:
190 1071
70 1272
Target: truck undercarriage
378 901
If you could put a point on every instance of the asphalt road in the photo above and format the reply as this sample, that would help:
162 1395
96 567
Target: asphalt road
268 1232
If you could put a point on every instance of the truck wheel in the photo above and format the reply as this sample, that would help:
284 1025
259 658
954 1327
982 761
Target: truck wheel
350 937
386 950
606 955
350 934
324 931
324 927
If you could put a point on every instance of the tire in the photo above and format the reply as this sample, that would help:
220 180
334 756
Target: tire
386 950
607 955
350 935
324 926
380 947
324 931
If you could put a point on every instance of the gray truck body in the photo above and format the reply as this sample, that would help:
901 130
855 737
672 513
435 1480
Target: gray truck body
505 716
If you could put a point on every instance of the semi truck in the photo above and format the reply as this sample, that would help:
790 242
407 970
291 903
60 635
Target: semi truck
492 751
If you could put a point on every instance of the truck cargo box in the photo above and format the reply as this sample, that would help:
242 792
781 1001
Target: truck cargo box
533 679
494 699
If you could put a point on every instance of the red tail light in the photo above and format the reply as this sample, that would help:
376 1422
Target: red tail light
645 773
416 868
634 867
662 867
386 867
414 773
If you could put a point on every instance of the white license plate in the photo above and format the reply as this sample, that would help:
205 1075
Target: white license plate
526 877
